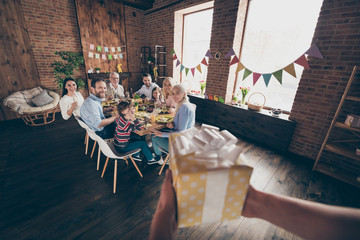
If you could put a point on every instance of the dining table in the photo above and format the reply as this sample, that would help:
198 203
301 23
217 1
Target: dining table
157 118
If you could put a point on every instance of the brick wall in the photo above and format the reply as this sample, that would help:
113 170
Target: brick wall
320 89
135 38
52 26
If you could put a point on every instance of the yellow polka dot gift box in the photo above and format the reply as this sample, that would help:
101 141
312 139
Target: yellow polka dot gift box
209 175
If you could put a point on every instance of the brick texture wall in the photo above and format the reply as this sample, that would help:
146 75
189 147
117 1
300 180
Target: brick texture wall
52 26
320 89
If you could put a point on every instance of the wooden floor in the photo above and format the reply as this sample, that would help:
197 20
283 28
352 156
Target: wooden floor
50 190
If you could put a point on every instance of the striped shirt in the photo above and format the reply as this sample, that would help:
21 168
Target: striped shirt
123 130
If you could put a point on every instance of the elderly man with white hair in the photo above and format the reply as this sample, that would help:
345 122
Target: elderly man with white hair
114 89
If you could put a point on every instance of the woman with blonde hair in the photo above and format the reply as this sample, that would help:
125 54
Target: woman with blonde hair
168 84
184 119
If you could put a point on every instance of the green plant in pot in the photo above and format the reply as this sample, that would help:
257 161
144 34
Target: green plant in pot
71 62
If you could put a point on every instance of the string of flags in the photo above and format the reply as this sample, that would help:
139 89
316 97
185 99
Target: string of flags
290 68
106 53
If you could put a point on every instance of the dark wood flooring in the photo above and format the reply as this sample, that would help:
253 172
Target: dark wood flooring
50 190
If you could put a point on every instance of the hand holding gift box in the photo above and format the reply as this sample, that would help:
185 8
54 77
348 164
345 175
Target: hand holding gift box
209 176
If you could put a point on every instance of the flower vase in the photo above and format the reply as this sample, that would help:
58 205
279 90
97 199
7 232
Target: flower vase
202 91
243 100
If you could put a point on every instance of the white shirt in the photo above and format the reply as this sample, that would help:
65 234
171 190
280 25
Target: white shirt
147 91
111 90
65 105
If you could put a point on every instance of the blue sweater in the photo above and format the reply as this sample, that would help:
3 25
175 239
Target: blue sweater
184 119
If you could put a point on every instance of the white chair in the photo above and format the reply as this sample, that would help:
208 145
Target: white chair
89 133
166 159
108 149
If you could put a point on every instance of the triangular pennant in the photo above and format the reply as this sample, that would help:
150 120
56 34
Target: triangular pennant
302 61
246 73
204 62
230 53
240 67
256 77
177 63
234 60
267 77
193 71
290 69
172 51
186 71
314 52
208 54
278 75
198 67
181 68
174 57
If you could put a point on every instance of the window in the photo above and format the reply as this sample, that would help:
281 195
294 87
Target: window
192 35
277 33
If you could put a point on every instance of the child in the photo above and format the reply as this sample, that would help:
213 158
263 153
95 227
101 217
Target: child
156 96
125 124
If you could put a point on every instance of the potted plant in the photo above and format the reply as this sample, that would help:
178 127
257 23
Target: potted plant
97 70
65 68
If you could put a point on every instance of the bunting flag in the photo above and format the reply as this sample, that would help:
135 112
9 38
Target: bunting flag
302 61
177 63
267 77
119 49
174 57
246 73
106 49
121 56
172 51
208 54
278 75
186 71
91 54
314 52
97 55
193 71
112 49
98 48
115 56
119 68
234 60
110 57
103 56
240 67
92 47
181 68
198 67
290 69
230 53
204 62
256 77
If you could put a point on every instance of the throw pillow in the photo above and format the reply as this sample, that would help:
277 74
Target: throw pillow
42 99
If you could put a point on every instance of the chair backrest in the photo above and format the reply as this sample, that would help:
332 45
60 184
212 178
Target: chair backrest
105 148
91 133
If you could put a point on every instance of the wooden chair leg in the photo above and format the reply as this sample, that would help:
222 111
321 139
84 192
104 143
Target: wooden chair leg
132 160
162 167
86 137
92 152
115 175
127 163
98 160
107 160
87 143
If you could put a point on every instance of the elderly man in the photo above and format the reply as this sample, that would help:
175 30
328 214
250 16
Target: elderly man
146 89
114 89
92 113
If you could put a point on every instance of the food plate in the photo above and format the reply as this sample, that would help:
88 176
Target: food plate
164 119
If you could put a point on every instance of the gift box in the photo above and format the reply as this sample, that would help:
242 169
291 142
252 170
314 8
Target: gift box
209 176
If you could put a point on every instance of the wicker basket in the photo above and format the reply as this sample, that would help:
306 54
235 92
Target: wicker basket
254 106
